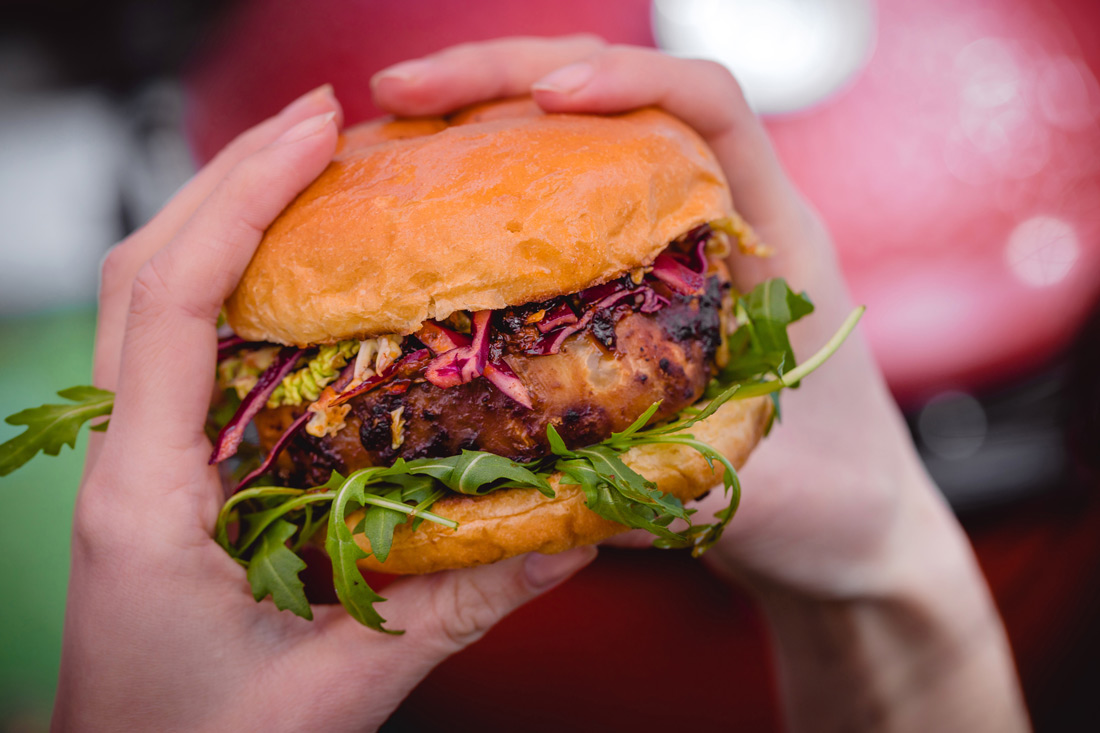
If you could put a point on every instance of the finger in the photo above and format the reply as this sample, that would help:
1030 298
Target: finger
475 72
439 613
445 612
635 539
169 350
701 93
123 261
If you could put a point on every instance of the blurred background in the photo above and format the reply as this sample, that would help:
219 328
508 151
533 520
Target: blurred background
953 148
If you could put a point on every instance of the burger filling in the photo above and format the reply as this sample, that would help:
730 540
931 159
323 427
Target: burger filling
586 363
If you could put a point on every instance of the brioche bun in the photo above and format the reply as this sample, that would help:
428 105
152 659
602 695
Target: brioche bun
499 205
514 521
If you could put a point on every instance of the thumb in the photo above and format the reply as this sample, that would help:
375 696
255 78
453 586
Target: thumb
440 614
446 612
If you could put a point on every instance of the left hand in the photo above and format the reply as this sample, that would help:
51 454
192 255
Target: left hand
795 527
161 631
880 613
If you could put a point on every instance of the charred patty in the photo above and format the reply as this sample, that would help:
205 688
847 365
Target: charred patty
601 379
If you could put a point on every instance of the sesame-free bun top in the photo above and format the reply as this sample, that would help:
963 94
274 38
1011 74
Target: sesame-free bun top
497 205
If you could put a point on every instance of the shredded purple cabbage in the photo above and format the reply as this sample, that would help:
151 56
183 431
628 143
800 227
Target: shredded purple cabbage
230 344
368 384
230 437
551 342
276 449
462 364
503 378
652 301
677 276
560 315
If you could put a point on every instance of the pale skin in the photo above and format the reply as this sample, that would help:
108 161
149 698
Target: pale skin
880 617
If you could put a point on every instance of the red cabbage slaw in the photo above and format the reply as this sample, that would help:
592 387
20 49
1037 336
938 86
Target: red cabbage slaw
230 437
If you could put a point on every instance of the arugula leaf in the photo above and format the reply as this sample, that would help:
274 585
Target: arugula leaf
228 512
602 498
379 523
637 425
611 470
351 588
768 386
771 307
273 571
751 366
557 445
51 426
255 524
476 473
680 425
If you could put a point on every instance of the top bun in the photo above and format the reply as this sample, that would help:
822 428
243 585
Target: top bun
498 205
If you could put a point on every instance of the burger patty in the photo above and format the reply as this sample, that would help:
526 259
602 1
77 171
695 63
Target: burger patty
586 391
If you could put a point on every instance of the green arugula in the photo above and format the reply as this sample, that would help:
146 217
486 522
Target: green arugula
765 313
475 472
273 523
51 426
273 571
351 588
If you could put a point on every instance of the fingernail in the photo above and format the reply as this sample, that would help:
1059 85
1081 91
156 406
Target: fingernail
405 71
312 98
306 127
565 80
544 571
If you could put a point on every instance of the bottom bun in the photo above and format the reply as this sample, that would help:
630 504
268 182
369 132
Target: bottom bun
514 521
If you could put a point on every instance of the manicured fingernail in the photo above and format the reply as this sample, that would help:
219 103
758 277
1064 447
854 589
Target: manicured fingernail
321 95
405 71
545 570
305 128
565 80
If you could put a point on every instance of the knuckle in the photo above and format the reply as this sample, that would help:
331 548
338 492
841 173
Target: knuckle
722 75
466 50
586 41
241 146
149 293
625 53
117 268
93 541
467 613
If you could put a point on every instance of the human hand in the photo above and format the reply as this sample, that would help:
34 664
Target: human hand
161 631
881 616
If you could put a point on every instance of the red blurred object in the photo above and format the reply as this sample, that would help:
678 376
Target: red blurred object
960 176
267 52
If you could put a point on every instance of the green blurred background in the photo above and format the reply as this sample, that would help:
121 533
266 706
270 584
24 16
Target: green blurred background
39 354
91 146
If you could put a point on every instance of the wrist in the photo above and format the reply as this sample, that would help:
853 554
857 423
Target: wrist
917 645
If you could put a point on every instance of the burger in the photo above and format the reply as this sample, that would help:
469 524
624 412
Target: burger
477 336
494 333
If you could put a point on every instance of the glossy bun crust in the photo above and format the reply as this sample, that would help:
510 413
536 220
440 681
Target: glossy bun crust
498 205
514 521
